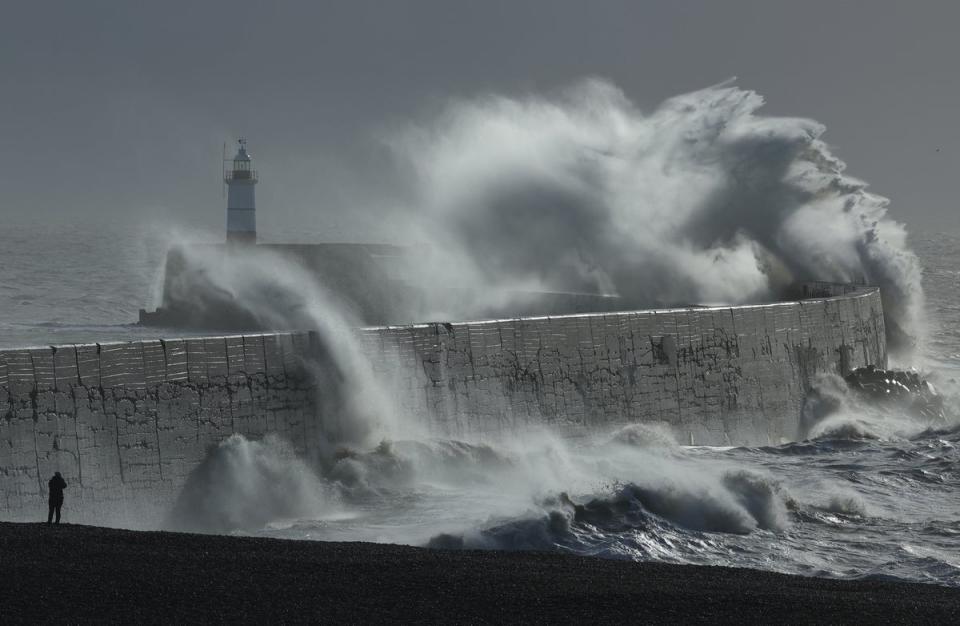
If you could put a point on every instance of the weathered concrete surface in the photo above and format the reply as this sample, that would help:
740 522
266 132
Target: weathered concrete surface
719 376
127 423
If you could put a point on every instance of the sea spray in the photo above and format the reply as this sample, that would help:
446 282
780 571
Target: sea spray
353 407
885 409
700 200
245 485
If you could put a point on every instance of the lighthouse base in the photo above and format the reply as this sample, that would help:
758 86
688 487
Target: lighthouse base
242 238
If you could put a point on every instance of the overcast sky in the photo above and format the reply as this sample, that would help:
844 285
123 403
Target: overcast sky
121 108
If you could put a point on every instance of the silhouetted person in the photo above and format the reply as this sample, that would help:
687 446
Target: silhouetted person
57 484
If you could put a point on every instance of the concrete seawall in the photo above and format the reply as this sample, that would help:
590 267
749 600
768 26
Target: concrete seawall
716 376
127 423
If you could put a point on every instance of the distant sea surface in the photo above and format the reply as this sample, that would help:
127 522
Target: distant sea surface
76 282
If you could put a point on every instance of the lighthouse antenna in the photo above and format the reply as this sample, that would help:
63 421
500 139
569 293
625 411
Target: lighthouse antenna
223 171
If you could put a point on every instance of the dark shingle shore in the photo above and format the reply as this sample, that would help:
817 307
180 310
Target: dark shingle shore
83 573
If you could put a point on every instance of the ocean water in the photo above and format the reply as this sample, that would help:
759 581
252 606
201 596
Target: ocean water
72 281
876 494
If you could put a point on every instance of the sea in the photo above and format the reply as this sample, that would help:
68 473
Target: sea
877 497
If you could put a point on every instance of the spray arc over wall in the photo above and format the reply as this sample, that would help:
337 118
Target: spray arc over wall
701 200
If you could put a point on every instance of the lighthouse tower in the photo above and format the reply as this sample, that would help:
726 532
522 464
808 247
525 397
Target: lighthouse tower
241 204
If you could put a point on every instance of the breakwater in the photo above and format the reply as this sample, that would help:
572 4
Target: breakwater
127 423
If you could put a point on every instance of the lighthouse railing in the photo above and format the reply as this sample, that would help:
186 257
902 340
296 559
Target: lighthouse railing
250 175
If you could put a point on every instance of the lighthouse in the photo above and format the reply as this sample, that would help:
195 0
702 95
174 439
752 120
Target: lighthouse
241 179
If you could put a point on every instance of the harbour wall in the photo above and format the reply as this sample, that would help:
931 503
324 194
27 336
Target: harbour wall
126 424
714 375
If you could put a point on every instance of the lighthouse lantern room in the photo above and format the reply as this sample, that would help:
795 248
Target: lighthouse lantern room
241 179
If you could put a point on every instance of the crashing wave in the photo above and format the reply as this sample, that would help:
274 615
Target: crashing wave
872 403
745 502
699 200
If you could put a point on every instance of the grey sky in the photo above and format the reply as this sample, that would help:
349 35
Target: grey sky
113 108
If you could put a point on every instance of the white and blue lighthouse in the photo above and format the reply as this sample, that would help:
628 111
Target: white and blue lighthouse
241 179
